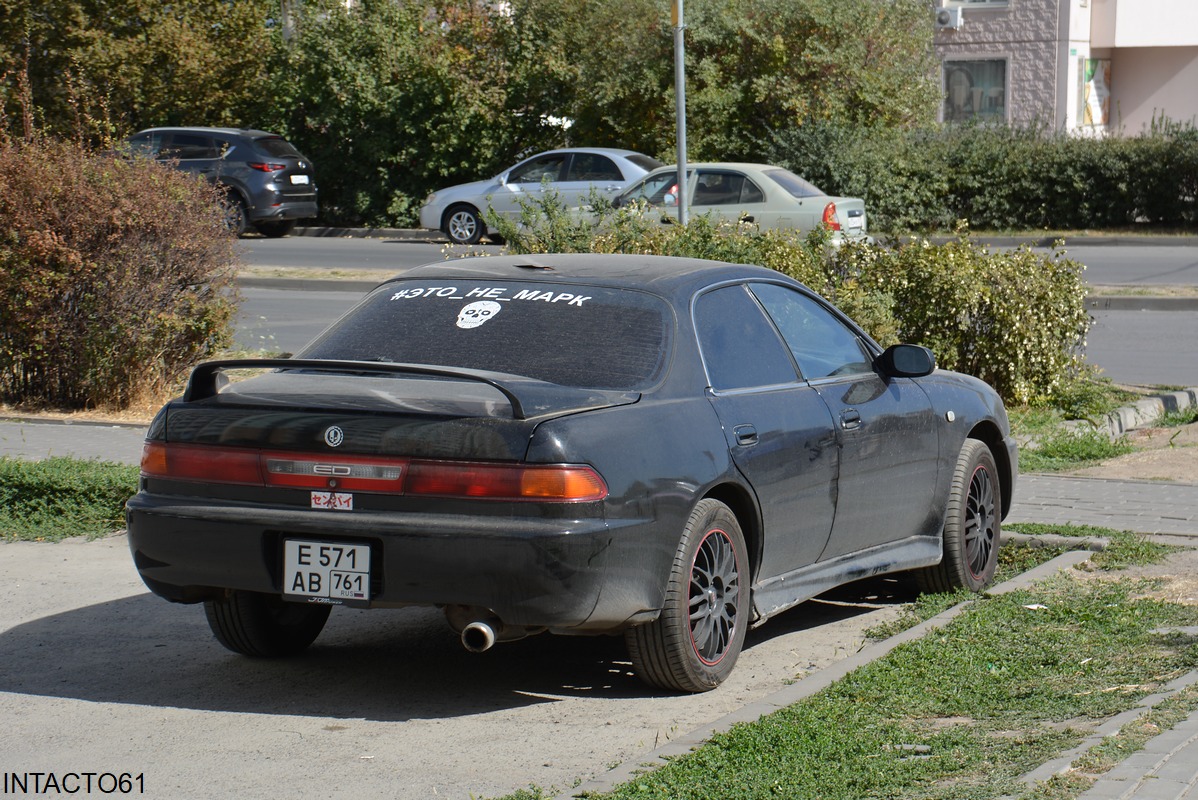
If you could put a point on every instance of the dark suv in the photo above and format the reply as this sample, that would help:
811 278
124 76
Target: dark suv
269 183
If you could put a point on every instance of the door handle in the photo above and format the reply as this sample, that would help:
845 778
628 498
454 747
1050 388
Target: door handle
850 419
746 435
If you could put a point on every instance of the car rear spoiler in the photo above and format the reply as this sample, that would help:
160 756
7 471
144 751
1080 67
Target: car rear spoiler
528 397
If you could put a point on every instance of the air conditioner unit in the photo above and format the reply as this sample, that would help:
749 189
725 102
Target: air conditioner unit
949 18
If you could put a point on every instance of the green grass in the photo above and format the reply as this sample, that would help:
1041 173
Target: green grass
1177 419
1124 549
995 693
60 497
1071 448
962 713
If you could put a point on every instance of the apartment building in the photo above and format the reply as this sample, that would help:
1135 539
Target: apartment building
1091 66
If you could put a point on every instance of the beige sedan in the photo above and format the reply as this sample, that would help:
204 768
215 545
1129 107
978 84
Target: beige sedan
767 196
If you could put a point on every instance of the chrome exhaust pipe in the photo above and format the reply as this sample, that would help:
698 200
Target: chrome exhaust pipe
478 637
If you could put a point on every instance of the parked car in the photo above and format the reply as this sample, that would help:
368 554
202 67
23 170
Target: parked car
671 449
572 174
268 183
766 196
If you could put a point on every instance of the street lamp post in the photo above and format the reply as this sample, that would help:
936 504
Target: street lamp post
680 107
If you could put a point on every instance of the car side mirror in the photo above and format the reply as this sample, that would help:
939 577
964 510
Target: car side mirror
906 361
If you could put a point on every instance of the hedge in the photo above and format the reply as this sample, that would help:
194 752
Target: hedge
116 275
1001 178
1014 318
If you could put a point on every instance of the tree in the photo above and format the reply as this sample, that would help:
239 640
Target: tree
138 63
392 100
752 68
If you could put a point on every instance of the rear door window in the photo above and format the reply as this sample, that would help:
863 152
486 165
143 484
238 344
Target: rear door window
583 336
593 167
718 188
741 349
187 146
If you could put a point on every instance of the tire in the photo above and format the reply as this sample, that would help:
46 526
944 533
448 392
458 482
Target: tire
236 216
463 225
695 651
263 625
972 525
275 229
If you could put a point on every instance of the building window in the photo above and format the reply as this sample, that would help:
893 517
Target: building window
975 90
1094 93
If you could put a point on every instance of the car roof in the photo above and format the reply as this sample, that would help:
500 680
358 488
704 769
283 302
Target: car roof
669 276
250 132
607 151
741 165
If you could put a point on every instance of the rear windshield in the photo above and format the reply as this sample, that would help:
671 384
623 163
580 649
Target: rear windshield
644 162
584 336
276 146
793 184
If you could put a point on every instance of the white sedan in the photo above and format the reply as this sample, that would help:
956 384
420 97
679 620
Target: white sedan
767 196
571 173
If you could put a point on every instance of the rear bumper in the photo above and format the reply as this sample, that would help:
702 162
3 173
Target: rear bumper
284 210
563 574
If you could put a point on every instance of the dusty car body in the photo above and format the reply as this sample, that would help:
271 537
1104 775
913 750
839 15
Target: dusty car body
763 196
570 174
673 449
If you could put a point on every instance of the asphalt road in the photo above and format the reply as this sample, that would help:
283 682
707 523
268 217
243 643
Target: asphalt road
349 252
1134 347
1158 265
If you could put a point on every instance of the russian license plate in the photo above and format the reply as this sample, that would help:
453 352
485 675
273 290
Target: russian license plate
855 222
326 572
299 179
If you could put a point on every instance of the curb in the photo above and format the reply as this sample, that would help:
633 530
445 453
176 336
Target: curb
1145 412
313 284
407 234
1142 303
802 689
1133 771
1141 414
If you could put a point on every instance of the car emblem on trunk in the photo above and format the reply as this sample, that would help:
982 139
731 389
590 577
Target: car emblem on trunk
334 436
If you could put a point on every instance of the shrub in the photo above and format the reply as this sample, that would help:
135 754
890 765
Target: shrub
1000 177
116 274
60 497
1015 319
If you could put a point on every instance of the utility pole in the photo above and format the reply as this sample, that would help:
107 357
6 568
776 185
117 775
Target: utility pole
680 106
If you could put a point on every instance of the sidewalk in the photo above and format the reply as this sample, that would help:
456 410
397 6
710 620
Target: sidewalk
1166 768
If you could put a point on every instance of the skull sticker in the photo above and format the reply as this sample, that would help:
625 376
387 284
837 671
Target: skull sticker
476 314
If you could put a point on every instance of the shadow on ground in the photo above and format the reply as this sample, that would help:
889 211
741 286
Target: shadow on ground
387 665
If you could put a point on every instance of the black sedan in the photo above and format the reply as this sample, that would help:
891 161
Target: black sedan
673 449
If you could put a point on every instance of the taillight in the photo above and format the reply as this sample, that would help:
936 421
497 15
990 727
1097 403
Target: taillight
830 218
264 166
554 483
198 463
